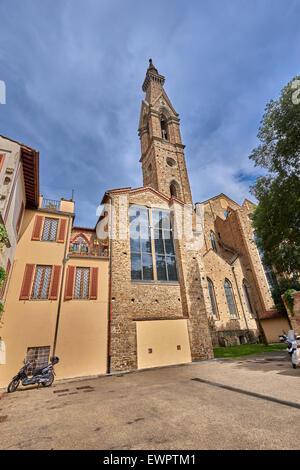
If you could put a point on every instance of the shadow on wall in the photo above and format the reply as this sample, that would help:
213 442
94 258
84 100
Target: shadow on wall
232 335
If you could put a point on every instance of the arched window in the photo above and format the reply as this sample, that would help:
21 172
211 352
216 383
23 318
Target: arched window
174 189
269 272
149 170
164 128
79 245
212 298
213 241
230 299
247 297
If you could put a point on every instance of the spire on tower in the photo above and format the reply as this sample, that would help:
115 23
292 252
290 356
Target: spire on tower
152 75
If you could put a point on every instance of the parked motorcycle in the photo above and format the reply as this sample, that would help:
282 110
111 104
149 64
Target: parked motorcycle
43 375
294 349
283 337
286 338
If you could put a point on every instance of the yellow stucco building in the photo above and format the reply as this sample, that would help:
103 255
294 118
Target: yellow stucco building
57 299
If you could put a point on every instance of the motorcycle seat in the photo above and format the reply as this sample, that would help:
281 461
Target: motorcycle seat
37 371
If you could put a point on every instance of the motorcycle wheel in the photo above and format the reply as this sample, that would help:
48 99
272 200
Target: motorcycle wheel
12 387
49 382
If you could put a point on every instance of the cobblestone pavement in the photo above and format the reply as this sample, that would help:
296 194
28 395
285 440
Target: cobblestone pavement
250 403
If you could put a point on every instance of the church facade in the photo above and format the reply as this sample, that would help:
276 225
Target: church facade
159 280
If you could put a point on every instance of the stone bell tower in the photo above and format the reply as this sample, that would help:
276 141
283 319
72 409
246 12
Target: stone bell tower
162 159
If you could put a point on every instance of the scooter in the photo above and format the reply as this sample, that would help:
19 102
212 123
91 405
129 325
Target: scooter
283 337
43 375
293 348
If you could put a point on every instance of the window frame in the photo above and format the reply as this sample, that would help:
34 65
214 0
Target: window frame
247 297
82 268
165 254
236 316
52 220
153 249
39 352
139 253
213 241
268 270
41 284
213 300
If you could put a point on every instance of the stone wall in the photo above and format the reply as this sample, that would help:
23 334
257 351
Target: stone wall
138 301
231 226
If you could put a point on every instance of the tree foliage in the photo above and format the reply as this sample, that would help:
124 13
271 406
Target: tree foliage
276 219
284 284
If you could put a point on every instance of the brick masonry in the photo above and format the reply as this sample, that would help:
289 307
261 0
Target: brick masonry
237 259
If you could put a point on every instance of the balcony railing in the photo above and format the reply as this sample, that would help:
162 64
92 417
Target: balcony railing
50 204
100 249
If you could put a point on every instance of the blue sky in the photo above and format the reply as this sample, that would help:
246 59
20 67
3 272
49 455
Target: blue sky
74 70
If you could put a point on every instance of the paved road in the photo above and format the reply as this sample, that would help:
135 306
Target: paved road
162 409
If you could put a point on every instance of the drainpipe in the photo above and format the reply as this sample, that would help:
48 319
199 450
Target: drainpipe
247 327
109 288
61 287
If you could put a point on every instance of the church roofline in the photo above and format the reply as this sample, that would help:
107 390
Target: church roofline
140 189
218 196
248 200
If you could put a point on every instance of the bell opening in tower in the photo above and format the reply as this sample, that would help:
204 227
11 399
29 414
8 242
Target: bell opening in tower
163 125
173 191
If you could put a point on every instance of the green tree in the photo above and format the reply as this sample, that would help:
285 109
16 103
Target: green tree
284 284
276 219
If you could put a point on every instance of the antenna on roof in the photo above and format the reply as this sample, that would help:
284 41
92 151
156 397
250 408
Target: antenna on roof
72 194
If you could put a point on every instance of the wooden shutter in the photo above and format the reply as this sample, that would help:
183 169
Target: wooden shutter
94 284
2 157
8 266
20 217
69 287
54 287
37 229
62 231
27 282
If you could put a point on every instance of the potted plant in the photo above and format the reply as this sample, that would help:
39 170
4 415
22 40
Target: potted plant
4 240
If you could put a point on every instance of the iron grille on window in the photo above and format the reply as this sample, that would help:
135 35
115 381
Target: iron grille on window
82 281
41 282
38 356
50 229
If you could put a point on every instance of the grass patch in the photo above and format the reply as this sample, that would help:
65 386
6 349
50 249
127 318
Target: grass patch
247 350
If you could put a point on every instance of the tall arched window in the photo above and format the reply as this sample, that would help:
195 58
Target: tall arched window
247 297
175 189
230 299
269 272
164 128
213 241
212 298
